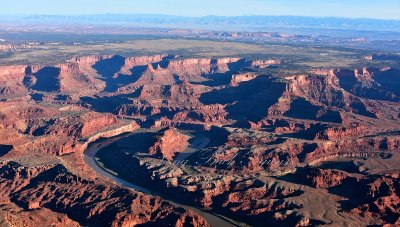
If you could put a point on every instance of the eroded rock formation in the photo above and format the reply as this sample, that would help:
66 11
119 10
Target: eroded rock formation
53 189
254 134
168 143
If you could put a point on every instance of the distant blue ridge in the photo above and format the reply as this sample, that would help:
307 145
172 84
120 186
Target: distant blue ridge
215 21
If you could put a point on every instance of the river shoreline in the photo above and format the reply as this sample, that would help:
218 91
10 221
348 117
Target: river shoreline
89 156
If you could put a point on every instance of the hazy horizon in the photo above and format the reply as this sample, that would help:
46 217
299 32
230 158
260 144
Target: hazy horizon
356 9
183 16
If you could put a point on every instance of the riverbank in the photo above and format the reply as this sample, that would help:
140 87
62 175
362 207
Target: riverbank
89 156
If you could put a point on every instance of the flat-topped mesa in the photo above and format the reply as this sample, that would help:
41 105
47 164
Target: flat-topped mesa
191 69
346 76
131 62
122 65
202 65
203 61
79 78
87 75
229 64
144 60
306 83
12 70
89 59
304 88
261 64
77 75
12 80
177 96
189 62
242 77
344 91
169 142
19 80
371 83
364 74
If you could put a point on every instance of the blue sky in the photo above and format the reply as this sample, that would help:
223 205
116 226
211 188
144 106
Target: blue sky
385 9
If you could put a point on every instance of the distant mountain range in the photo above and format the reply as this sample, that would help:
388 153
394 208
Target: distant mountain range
217 22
